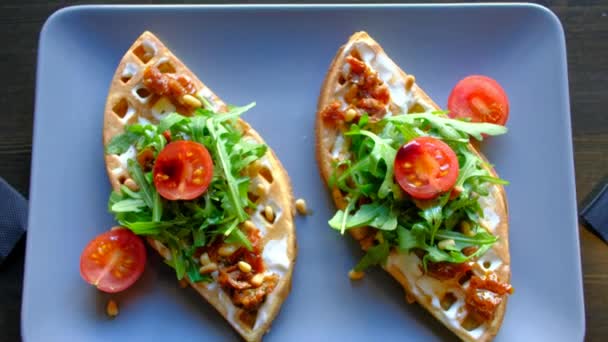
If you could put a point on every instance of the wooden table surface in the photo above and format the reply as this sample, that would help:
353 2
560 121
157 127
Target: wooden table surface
586 26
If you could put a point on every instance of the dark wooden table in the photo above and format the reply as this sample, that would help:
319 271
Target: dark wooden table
586 26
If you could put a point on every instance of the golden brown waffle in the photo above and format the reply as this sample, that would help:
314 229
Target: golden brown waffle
130 102
444 299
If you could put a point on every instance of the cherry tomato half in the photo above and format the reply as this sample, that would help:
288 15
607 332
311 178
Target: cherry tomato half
425 167
113 261
183 170
479 98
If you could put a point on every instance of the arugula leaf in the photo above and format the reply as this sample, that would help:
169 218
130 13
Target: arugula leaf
121 143
145 188
127 205
408 239
185 226
374 215
199 239
178 262
150 227
157 207
129 193
376 255
234 112
238 237
368 174
382 152
481 238
169 121
222 156
196 277
450 129
198 129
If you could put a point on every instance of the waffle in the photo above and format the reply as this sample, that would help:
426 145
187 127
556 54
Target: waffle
130 102
443 299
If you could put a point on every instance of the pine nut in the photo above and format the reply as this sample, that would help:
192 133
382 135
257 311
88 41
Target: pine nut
112 308
248 226
191 101
269 213
204 259
301 206
355 275
208 268
244 267
466 228
257 279
130 183
227 250
261 189
350 114
445 244
409 82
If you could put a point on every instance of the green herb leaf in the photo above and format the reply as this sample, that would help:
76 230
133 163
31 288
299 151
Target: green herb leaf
238 237
409 224
225 167
196 277
150 227
121 143
169 121
185 226
157 207
127 205
145 188
376 255
383 156
129 193
450 129
374 215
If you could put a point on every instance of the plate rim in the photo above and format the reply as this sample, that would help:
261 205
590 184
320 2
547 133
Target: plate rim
59 14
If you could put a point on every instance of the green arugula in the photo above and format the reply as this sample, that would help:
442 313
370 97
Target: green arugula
121 143
375 200
449 129
376 255
375 215
184 226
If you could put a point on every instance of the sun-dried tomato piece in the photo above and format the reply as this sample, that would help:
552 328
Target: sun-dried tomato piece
251 299
356 66
332 113
485 294
447 270
232 278
172 85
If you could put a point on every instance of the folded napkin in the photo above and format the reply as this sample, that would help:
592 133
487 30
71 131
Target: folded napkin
13 218
595 210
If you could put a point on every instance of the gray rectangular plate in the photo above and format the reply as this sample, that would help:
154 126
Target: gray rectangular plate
278 56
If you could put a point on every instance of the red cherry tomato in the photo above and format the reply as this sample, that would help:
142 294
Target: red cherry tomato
183 170
425 167
113 261
480 99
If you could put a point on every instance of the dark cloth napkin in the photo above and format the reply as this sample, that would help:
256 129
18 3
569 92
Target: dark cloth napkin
13 218
595 211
